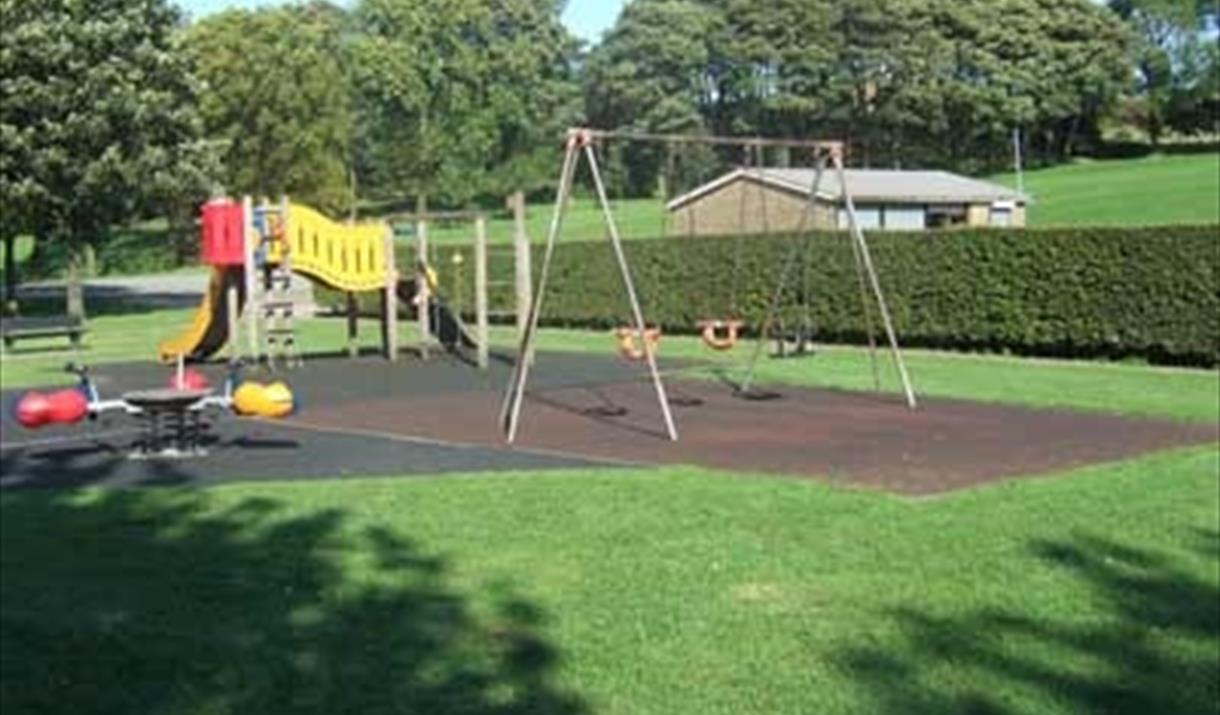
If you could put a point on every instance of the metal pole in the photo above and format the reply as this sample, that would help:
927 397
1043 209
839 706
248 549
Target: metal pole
480 291
510 410
858 236
629 285
1018 160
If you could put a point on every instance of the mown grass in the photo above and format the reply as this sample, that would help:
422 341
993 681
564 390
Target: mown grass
663 591
1153 190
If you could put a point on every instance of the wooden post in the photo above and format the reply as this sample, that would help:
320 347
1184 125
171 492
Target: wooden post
867 262
480 291
521 255
510 408
353 324
389 306
253 302
629 285
234 320
423 297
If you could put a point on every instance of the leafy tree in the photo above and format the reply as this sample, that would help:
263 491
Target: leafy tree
1170 58
274 97
905 82
653 73
97 119
460 98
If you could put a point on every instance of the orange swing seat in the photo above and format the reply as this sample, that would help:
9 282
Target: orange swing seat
629 345
720 335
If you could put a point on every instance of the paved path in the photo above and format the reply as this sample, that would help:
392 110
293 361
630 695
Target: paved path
164 290
161 290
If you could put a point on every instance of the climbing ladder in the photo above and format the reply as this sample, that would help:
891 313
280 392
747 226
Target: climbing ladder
276 306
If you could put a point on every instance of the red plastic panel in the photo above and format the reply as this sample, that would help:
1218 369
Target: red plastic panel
223 224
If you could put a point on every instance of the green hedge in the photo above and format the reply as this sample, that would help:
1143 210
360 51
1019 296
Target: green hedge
1150 293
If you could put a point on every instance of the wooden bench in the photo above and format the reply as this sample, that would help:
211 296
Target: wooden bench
14 329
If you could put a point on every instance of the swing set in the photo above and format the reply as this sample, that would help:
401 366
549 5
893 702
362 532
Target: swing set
638 341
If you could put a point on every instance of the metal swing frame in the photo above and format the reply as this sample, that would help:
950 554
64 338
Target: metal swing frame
580 143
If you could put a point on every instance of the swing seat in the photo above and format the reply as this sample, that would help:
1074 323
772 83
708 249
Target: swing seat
629 345
720 335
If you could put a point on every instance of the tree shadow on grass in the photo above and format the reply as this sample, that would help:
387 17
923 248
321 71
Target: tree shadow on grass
1147 640
166 601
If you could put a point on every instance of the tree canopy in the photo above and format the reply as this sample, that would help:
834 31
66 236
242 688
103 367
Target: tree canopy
97 117
273 96
460 97
906 82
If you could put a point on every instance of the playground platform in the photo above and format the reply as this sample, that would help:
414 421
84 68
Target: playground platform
371 418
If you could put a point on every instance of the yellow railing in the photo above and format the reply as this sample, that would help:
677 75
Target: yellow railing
349 257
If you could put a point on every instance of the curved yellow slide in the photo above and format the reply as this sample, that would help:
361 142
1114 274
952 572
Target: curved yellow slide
209 330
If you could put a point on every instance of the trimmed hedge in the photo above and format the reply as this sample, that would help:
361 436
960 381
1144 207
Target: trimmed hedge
1149 293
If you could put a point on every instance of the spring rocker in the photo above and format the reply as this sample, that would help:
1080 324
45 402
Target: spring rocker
173 419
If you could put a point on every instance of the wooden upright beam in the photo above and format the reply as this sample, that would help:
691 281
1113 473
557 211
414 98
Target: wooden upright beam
423 297
482 328
389 316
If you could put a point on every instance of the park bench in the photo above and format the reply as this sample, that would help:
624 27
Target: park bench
14 329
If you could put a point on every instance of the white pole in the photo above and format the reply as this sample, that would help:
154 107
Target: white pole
1018 160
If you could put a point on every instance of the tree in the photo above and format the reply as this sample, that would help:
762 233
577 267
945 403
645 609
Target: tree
1170 58
97 119
274 97
460 98
905 82
652 73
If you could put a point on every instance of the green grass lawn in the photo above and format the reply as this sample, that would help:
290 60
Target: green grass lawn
668 590
1125 192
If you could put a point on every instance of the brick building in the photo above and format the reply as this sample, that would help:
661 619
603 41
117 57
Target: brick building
773 200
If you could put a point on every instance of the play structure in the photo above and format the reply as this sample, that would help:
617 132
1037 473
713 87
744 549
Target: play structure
639 340
172 418
256 252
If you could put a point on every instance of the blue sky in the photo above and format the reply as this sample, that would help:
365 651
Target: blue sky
586 18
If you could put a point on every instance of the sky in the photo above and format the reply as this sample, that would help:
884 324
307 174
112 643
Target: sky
587 19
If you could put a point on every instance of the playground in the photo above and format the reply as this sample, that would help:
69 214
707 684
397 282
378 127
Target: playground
369 417
441 515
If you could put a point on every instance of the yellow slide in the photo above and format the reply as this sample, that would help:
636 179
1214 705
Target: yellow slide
209 330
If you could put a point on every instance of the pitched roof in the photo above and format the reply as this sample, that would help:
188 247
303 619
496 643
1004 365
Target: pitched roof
868 186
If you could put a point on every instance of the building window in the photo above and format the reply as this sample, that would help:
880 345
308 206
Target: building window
904 218
867 217
1002 213
946 215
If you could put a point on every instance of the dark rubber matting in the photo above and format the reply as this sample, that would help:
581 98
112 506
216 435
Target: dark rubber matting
369 417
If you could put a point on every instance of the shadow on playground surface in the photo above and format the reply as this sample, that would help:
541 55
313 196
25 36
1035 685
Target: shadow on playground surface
368 417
